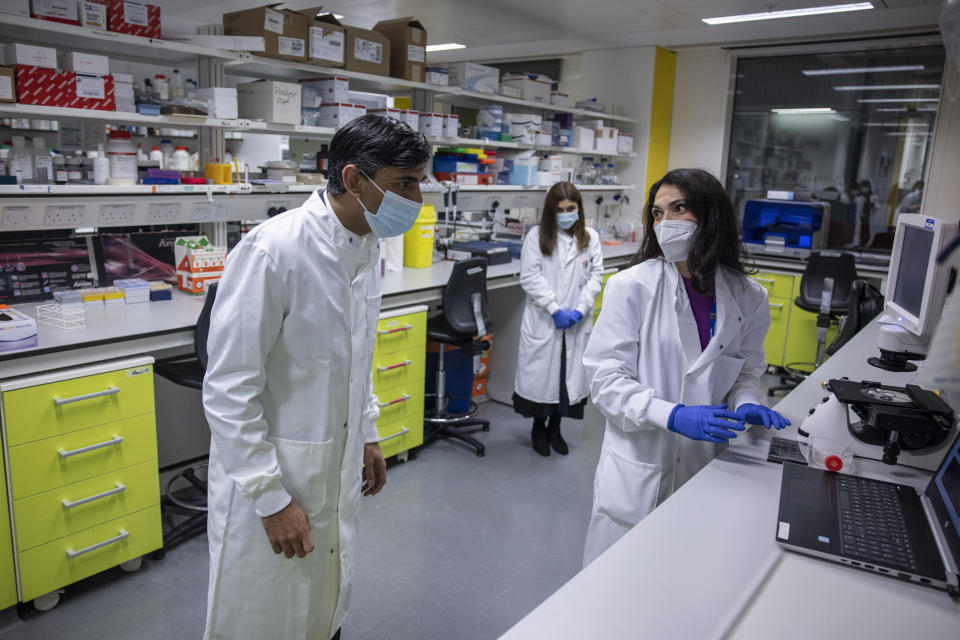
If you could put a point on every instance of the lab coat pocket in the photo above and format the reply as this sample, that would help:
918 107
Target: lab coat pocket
373 314
710 383
306 468
626 489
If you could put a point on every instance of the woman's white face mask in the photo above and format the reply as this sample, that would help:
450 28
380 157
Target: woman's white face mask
675 238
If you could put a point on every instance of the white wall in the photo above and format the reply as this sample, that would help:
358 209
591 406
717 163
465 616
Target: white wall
701 107
941 197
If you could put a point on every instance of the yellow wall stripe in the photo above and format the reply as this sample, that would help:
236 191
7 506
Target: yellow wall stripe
661 113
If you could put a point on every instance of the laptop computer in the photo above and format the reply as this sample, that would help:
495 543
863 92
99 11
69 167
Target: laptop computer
882 527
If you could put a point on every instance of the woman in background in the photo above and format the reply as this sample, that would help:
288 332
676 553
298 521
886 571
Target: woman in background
561 271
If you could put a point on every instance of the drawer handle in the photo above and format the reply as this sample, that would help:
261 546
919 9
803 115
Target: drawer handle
775 305
768 280
76 503
90 396
93 447
386 332
405 363
123 535
404 398
402 432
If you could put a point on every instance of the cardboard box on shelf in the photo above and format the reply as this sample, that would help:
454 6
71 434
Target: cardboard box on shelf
30 55
583 138
625 143
8 88
92 14
85 63
330 88
367 52
221 101
438 76
533 86
475 77
198 263
326 39
16 7
284 32
64 11
51 88
254 44
270 101
408 47
133 18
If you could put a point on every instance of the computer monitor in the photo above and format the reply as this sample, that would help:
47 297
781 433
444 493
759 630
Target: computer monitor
916 289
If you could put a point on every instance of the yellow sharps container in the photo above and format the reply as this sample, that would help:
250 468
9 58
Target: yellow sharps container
418 242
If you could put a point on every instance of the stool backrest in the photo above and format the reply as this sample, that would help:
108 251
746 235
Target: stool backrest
203 326
827 264
468 278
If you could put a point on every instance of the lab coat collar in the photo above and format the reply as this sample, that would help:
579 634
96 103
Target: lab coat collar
318 204
571 244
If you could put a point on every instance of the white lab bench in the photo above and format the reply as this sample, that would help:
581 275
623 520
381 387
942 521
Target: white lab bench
705 563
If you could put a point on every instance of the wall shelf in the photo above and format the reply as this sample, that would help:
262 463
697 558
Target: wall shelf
17 110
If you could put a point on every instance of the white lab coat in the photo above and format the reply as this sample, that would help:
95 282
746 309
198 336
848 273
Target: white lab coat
568 279
643 358
288 396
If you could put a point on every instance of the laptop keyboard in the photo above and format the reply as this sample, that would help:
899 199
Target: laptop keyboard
872 523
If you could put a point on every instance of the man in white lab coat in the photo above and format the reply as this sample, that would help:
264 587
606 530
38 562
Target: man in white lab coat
288 392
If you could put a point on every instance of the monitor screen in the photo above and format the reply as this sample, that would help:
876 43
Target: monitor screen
912 274
944 494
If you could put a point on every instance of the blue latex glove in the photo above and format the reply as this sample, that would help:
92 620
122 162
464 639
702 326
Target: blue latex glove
703 422
563 319
759 414
576 316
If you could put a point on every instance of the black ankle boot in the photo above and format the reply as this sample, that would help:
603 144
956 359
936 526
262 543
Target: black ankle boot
539 438
553 435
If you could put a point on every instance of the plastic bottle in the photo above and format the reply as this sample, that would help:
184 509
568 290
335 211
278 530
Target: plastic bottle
21 161
195 161
167 148
60 175
612 176
190 86
4 159
161 86
595 173
101 166
176 85
156 155
228 159
141 154
583 170
179 160
123 158
42 162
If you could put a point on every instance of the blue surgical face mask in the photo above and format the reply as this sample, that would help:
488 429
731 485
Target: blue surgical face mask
566 219
394 217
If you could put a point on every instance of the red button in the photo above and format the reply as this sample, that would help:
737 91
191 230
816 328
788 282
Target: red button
833 463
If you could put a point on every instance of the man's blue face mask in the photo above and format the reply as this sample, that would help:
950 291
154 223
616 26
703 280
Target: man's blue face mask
394 217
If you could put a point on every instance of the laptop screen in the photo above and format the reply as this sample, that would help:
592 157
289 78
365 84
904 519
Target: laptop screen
944 494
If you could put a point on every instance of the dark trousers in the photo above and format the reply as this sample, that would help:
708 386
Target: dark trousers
336 636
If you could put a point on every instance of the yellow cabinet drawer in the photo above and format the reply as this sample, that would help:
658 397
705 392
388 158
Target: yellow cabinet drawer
399 368
778 285
400 435
8 580
46 410
401 333
64 561
400 401
47 464
598 301
75 507
776 340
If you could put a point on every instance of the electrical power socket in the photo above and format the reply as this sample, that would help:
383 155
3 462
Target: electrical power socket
163 212
115 214
16 217
68 215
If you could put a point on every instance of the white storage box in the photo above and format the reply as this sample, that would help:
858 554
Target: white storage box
594 124
606 139
270 101
583 138
85 63
359 110
551 163
389 112
544 138
331 89
451 126
559 99
64 11
625 143
473 76
532 86
411 117
438 75
338 114
229 43
92 14
221 101
431 124
135 290
16 7
28 54
17 330
511 91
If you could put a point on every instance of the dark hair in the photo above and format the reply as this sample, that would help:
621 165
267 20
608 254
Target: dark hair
548 218
374 142
716 241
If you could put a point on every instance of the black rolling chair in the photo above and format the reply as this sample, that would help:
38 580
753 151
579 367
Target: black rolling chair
192 501
463 323
825 289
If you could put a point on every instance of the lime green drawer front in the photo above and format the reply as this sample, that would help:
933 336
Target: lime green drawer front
64 561
776 340
61 407
75 507
401 401
8 580
778 285
398 368
69 458
401 333
802 337
400 435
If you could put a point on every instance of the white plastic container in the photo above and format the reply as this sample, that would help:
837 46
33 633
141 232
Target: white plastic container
180 160
176 85
42 162
101 167
167 148
123 158
21 161
161 86
156 155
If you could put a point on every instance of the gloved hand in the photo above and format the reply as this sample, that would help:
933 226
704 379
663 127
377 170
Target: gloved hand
576 316
563 319
703 422
759 414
